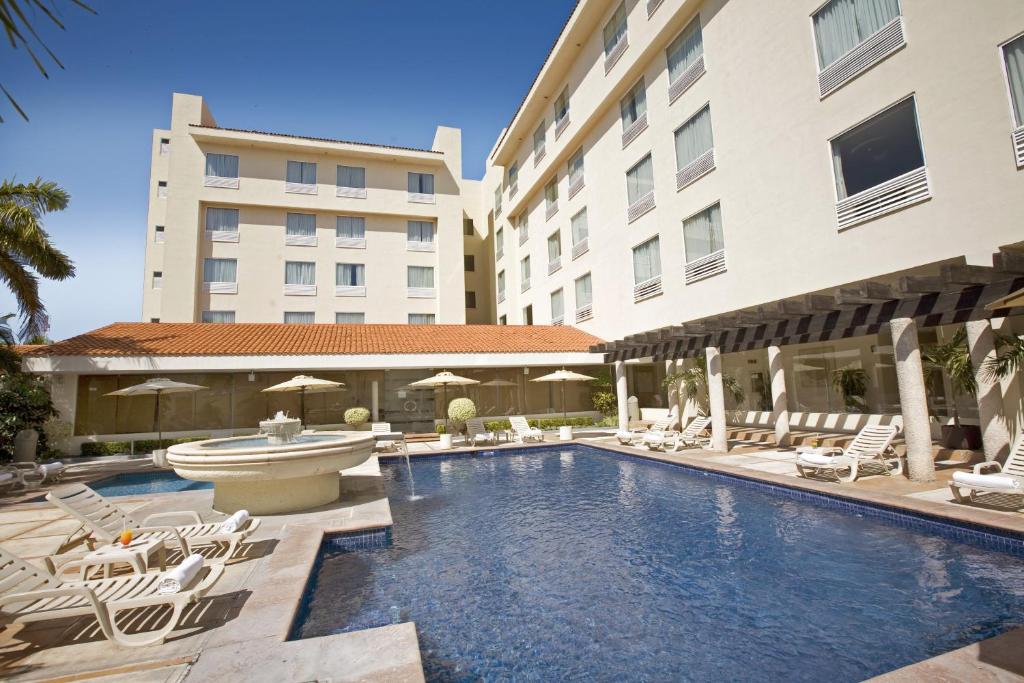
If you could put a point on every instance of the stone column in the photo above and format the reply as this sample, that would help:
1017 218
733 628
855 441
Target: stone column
672 393
913 400
780 402
716 400
374 401
620 394
994 436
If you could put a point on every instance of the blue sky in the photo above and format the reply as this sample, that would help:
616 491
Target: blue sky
374 70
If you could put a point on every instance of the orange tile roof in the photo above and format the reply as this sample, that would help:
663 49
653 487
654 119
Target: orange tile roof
254 339
22 349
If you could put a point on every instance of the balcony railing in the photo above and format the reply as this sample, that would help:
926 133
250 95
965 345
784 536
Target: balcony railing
635 128
560 125
1018 146
580 248
350 192
300 188
640 207
219 181
350 242
421 198
221 235
416 245
616 53
700 166
220 287
552 209
422 292
883 43
350 290
300 290
706 266
892 195
686 79
575 185
584 313
554 265
647 289
558 321
300 240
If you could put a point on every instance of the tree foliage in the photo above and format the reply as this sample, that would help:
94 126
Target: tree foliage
24 404
693 383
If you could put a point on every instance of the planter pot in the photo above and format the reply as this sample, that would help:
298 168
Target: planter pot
25 443
565 433
446 440
964 436
160 457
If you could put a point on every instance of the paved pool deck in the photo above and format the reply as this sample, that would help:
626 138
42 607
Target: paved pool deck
239 632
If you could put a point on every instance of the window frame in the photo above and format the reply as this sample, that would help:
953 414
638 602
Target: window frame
302 169
814 36
1016 125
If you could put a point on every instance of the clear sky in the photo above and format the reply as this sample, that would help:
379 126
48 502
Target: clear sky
384 71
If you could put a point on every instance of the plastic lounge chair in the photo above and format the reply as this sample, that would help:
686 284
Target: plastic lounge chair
872 444
32 474
476 431
523 431
1007 478
636 436
382 428
691 437
28 594
105 521
8 480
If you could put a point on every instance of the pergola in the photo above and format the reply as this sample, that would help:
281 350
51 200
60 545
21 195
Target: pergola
958 293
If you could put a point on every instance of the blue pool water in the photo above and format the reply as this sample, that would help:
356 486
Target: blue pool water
576 564
140 483
263 442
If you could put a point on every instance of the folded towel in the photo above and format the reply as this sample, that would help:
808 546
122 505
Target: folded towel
172 581
989 481
818 458
234 522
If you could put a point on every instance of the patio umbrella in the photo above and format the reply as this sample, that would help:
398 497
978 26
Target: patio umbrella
443 379
562 376
305 384
157 387
497 384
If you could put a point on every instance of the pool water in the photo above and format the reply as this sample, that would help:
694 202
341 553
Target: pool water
141 483
263 442
578 564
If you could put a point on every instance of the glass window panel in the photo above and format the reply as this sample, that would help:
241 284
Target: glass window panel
877 150
557 304
351 226
299 273
584 293
421 318
1014 54
685 50
579 227
633 105
554 246
421 183
694 138
640 180
301 172
300 317
615 29
501 282
524 268
842 25
538 138
222 165
350 275
702 233
551 192
352 176
218 316
219 269
420 231
218 219
646 261
562 106
301 224
421 276
576 167
349 318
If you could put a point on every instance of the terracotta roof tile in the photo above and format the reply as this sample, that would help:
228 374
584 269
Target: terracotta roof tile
252 339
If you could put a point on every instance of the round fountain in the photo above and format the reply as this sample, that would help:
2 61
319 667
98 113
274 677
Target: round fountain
279 470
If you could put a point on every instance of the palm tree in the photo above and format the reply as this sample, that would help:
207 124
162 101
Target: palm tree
954 359
1009 360
25 247
693 383
10 361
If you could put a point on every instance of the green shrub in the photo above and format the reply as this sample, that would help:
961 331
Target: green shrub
440 429
605 402
356 416
95 448
461 409
24 404
543 423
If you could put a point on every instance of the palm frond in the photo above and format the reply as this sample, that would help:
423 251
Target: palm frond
10 361
954 359
1008 361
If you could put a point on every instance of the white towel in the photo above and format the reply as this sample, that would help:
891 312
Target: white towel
817 458
6 476
234 522
51 469
988 481
172 581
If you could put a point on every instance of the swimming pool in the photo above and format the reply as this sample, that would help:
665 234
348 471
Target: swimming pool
575 563
141 483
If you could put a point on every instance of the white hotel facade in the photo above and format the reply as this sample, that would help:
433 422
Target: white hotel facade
778 185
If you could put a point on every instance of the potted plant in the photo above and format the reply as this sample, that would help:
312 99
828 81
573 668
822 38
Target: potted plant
954 360
357 417
443 436
693 383
852 383
459 411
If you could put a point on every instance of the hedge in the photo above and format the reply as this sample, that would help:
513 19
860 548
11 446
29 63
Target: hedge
543 423
94 448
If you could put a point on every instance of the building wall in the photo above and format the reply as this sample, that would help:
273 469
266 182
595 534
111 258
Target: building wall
773 175
263 204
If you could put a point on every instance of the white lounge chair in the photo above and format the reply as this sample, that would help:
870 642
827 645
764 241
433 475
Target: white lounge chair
28 594
382 428
36 474
523 431
8 480
691 437
105 521
476 431
1006 478
872 444
632 437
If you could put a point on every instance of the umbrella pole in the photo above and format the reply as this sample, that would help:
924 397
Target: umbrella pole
564 414
302 405
444 408
156 418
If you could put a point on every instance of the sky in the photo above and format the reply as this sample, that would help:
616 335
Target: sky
385 71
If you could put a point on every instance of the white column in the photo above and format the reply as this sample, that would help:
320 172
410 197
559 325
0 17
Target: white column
994 436
716 400
620 394
674 401
913 400
374 401
780 402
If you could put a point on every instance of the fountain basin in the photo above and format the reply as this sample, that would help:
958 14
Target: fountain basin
249 473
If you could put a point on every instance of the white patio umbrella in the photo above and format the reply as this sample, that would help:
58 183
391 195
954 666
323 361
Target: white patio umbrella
443 379
498 384
305 384
157 386
562 376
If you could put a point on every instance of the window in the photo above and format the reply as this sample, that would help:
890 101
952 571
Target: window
528 315
300 317
469 263
352 177
704 244
640 180
499 243
1013 52
551 197
646 261
561 111
580 232
524 227
300 229
554 251
557 306
878 150
349 318
538 142
301 172
222 165
501 286
633 106
222 224
218 316
694 148
351 227
470 299
513 179
584 297
615 30
842 25
420 231
158 234
165 145
421 277
161 189
503 320
158 279
575 172
154 320
468 226
299 273
421 318
524 274
686 49
421 183
350 275
159 228
219 269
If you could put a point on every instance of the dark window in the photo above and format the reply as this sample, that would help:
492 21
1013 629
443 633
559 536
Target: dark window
878 150
503 320
159 228
528 315
158 273
468 228
470 299
154 320
469 263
